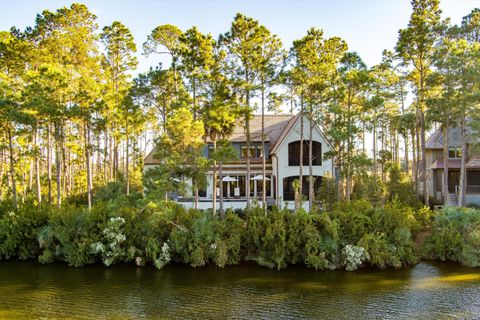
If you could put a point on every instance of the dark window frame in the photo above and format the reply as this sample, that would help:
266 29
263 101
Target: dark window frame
294 153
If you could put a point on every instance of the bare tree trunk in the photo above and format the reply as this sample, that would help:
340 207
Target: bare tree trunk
12 169
311 192
87 164
348 190
463 171
220 174
247 134
49 162
58 154
127 160
445 164
214 204
37 167
264 169
300 172
405 140
424 159
375 146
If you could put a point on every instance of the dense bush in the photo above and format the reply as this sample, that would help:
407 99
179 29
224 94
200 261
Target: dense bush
122 229
455 236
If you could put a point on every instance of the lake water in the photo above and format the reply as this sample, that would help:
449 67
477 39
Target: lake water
427 291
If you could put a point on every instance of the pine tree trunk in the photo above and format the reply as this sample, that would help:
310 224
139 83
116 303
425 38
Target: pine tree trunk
375 172
405 140
37 167
49 162
88 165
463 171
445 164
214 196
424 159
264 169
311 192
300 170
349 158
58 154
220 178
127 158
195 183
12 169
247 134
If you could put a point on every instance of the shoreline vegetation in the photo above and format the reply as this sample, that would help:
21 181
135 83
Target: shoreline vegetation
133 229
77 123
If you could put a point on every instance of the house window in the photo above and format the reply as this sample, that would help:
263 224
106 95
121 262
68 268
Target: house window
256 151
454 153
294 153
210 150
289 190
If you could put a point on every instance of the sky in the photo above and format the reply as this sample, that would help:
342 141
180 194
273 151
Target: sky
368 26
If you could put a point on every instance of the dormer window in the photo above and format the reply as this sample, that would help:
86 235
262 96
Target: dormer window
454 153
255 151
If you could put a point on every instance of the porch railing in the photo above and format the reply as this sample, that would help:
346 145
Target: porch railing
470 189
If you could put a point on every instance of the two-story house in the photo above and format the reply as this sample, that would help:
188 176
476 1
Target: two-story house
435 166
282 150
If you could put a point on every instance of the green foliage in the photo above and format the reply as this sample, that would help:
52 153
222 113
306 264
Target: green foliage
328 193
369 188
400 187
455 237
350 235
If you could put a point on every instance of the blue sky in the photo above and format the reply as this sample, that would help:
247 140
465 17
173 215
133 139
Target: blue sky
368 26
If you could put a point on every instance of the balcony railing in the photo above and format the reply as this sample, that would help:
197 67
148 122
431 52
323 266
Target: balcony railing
471 189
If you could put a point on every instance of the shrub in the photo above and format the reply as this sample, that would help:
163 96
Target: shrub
353 257
455 236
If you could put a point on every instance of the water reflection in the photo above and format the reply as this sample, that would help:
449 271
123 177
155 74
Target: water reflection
427 291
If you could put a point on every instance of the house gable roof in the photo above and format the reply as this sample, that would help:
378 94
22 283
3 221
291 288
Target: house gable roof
433 141
277 127
274 125
289 127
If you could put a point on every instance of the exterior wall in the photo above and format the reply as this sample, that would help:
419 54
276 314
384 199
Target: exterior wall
278 169
472 200
237 146
281 157
205 205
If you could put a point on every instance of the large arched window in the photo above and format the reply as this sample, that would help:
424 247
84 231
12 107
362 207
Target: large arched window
294 153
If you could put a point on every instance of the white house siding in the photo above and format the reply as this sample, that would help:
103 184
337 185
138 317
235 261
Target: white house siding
281 156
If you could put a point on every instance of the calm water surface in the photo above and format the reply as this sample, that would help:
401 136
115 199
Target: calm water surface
427 291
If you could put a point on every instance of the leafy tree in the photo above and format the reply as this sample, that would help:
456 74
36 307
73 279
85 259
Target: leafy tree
354 77
177 148
416 46
120 60
317 61
220 111
165 37
242 44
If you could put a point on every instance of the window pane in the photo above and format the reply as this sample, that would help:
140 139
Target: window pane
259 151
451 152
243 151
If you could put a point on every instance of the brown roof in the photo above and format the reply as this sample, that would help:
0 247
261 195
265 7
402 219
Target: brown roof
472 163
150 159
452 164
435 140
275 125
